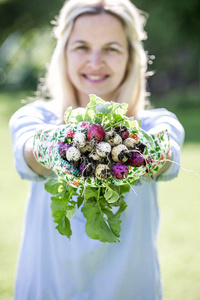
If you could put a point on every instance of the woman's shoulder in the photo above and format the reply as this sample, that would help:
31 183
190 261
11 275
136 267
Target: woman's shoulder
156 115
155 112
44 110
40 105
159 118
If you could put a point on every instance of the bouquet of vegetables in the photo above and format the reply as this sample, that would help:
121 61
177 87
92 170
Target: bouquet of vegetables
98 155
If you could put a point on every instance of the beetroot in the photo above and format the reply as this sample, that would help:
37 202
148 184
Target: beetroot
122 131
96 132
119 170
136 160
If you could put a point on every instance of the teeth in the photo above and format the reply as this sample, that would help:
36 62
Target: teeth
95 77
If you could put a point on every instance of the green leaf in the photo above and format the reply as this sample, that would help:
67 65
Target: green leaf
119 108
91 193
89 116
63 187
80 200
71 211
64 227
67 114
71 115
92 100
97 120
113 221
119 202
62 206
103 202
57 215
96 226
52 186
139 123
103 108
79 118
118 118
122 207
132 124
111 195
108 194
115 225
125 188
58 204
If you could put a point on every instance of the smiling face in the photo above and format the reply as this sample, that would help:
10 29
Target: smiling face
97 56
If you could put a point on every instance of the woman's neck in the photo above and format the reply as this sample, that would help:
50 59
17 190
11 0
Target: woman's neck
83 100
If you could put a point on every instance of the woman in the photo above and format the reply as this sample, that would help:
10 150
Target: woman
99 50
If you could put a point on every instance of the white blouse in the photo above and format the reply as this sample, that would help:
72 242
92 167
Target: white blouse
51 267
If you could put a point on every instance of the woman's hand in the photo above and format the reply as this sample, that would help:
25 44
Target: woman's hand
42 151
165 166
32 162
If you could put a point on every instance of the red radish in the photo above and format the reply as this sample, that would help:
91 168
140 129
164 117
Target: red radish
96 132
119 170
136 160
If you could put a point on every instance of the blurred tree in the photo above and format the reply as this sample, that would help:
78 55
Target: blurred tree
25 25
172 26
25 15
173 30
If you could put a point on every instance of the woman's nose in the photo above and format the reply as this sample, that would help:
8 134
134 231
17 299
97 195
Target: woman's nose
96 59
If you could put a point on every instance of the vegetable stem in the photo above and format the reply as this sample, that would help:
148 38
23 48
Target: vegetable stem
98 195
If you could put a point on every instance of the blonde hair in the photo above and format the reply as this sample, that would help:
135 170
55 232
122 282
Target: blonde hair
133 88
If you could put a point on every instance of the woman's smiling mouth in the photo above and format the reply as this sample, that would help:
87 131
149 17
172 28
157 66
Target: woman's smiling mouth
95 78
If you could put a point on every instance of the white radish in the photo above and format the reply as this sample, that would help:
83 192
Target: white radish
73 154
103 149
79 139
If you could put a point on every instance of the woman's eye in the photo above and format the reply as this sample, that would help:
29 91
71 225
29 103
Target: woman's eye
82 47
111 49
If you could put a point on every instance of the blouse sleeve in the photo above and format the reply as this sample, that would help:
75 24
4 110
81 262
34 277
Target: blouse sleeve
23 125
157 120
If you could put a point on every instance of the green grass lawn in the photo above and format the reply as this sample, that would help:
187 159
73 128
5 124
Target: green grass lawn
179 238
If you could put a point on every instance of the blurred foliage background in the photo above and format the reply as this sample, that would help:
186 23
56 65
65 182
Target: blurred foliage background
27 42
26 45
173 38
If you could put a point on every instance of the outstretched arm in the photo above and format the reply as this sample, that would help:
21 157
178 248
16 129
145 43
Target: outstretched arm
23 126
156 120
32 162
